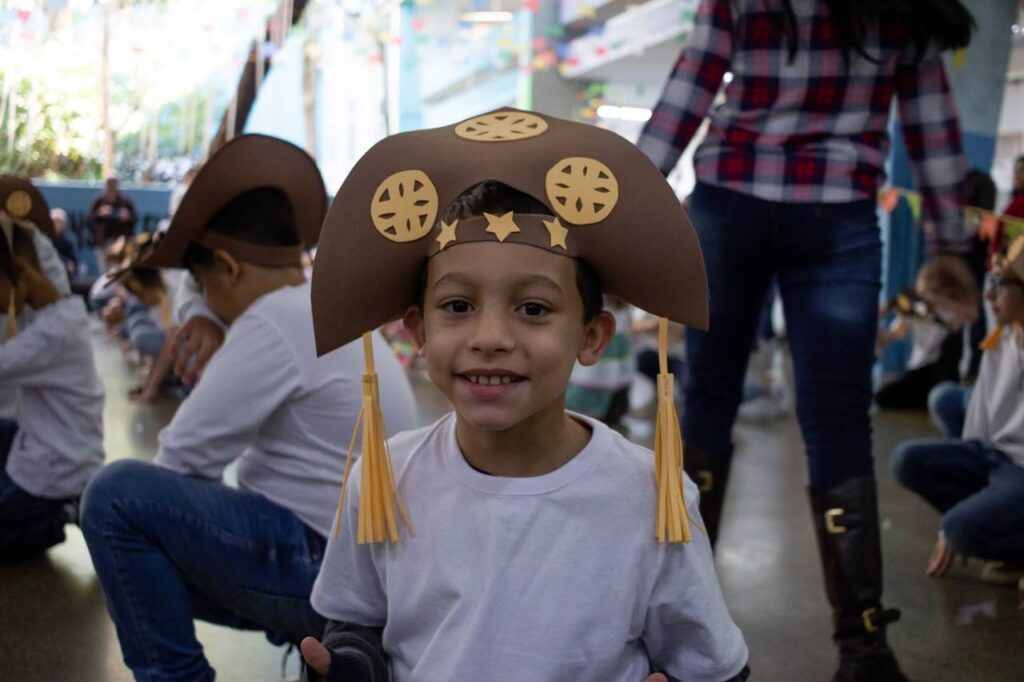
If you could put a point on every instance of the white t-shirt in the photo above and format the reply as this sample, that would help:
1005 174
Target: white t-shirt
995 415
926 338
547 578
286 415
59 444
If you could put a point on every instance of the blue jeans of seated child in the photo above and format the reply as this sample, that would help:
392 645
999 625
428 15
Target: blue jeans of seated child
169 548
947 405
29 525
146 336
977 489
827 259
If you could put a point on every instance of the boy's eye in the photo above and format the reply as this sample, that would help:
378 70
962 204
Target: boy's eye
533 309
456 306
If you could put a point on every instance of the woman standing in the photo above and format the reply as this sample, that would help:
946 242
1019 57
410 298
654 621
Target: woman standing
787 178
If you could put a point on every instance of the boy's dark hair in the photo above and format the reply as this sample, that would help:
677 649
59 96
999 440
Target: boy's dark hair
261 216
22 247
145 278
495 197
949 276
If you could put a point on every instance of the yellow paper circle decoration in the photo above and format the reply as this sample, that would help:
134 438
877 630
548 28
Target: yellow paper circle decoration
404 206
505 126
19 203
582 191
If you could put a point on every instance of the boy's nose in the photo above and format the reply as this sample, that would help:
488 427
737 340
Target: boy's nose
491 334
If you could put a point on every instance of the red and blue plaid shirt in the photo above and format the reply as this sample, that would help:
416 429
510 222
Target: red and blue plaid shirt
813 129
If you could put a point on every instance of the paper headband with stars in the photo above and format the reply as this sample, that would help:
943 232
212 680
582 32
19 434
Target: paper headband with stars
610 206
245 163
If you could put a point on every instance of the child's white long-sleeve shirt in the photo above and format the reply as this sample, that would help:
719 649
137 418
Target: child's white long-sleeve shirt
59 444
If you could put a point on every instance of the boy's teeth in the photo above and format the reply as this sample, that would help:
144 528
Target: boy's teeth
491 381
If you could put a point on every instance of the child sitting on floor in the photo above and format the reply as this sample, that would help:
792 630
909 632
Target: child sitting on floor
977 482
944 299
55 445
539 552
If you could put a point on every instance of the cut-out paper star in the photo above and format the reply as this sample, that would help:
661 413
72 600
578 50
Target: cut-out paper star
557 233
501 226
447 235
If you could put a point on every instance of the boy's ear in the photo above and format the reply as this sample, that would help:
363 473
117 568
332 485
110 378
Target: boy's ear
227 264
413 321
597 335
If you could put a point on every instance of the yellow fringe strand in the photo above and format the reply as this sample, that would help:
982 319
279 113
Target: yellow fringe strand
673 522
378 495
12 316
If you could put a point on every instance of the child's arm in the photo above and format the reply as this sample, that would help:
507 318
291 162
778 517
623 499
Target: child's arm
38 346
688 632
347 653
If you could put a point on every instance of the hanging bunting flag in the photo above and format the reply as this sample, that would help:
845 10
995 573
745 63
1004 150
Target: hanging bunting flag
914 203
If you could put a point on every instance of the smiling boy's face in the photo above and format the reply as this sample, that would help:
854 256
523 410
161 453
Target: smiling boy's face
501 328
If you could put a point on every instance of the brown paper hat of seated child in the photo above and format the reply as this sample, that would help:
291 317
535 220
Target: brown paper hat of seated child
1015 257
245 163
22 201
610 206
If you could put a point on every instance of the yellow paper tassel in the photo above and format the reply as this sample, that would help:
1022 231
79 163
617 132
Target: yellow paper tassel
378 496
992 340
673 522
12 317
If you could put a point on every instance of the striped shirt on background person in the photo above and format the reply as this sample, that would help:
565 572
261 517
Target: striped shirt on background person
810 130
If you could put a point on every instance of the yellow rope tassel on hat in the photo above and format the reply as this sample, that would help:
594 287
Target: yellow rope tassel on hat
378 496
673 523
12 317
992 340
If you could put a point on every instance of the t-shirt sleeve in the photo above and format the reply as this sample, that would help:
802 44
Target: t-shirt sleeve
688 632
248 378
349 587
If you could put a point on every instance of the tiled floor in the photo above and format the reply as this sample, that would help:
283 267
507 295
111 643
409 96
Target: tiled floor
54 626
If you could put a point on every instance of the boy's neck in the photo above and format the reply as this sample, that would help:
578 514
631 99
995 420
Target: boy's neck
537 446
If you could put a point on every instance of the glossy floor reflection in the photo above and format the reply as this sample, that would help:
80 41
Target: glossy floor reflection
54 626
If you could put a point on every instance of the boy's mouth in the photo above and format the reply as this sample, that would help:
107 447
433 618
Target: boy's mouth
491 377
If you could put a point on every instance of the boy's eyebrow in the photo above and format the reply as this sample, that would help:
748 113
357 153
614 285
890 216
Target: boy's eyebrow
451 279
541 281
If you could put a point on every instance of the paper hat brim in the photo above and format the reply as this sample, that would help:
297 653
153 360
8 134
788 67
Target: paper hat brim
644 248
1015 257
245 163
21 200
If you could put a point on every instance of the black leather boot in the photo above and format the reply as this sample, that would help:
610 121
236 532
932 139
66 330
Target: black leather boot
711 474
846 525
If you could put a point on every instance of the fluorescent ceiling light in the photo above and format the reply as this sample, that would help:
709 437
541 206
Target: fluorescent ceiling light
487 17
624 113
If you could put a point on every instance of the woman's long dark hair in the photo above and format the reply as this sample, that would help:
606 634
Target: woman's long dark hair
945 23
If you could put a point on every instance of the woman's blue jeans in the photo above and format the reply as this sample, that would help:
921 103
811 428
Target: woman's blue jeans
169 548
827 260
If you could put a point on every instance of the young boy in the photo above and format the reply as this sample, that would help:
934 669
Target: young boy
171 542
534 555
977 482
55 444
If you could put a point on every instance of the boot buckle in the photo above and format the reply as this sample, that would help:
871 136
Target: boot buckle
830 521
869 624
